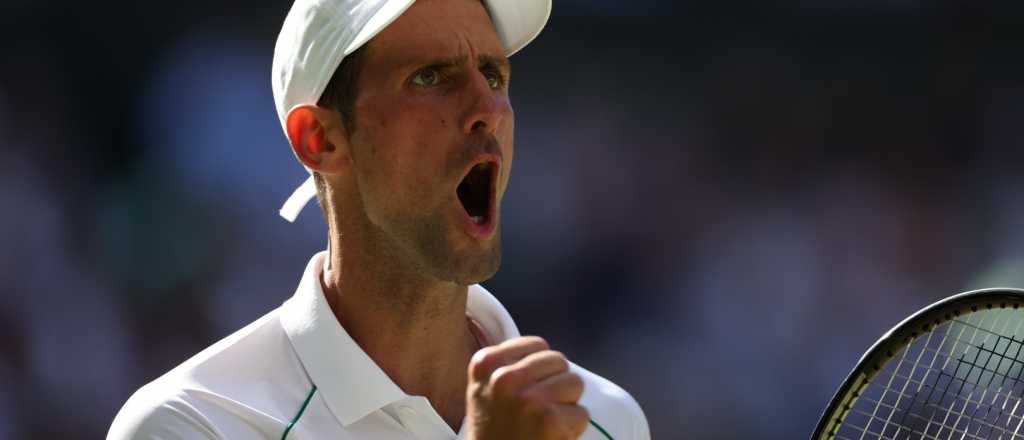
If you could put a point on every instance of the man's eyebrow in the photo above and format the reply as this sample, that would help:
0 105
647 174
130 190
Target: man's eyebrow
482 60
443 63
491 60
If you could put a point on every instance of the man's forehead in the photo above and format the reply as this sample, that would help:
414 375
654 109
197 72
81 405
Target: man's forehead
451 30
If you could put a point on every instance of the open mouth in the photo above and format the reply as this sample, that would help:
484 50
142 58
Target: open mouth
475 192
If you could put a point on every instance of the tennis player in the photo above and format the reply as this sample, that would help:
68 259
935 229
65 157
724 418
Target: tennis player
400 111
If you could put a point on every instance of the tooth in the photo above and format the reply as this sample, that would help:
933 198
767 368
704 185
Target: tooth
478 219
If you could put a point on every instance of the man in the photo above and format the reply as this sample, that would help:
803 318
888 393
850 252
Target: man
388 335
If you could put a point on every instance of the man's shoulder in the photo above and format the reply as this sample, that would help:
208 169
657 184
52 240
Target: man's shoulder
259 351
613 411
236 381
162 410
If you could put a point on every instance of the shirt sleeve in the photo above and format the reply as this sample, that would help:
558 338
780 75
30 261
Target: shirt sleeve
615 414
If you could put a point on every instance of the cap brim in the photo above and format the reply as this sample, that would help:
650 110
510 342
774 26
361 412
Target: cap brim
518 22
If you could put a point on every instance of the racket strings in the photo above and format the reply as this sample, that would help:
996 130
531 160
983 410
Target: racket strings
962 380
973 370
866 433
972 365
878 435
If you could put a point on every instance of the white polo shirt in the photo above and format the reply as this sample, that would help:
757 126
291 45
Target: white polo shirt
297 374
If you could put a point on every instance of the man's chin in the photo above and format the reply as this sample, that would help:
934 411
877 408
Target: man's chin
457 259
478 269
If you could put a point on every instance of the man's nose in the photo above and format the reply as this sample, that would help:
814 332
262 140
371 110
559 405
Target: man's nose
486 107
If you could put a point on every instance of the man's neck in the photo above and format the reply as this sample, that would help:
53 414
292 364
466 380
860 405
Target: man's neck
414 328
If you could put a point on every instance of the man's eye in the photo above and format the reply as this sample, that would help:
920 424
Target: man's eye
494 79
426 77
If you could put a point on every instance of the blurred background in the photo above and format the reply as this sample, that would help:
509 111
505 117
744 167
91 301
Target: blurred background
719 205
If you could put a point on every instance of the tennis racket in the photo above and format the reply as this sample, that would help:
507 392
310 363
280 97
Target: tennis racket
953 370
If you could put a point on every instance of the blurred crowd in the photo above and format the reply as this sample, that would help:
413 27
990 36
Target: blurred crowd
717 205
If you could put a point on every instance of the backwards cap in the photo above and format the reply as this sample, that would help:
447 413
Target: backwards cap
318 34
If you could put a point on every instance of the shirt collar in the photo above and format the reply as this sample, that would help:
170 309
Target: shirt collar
350 382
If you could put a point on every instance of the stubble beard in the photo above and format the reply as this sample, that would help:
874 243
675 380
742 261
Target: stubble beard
465 263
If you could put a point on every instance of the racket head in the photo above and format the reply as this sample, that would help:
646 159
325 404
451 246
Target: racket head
929 334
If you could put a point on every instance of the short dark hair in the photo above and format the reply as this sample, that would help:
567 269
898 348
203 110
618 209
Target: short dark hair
340 94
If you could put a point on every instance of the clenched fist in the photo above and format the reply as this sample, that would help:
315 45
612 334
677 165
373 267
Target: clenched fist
520 389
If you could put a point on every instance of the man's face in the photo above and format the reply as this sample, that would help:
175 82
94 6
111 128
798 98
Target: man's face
432 144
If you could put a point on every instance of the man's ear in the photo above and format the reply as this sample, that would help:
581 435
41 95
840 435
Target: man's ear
318 138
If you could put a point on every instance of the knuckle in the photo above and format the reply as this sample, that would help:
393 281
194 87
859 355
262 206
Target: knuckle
575 385
576 380
537 340
484 361
506 380
481 355
475 390
559 357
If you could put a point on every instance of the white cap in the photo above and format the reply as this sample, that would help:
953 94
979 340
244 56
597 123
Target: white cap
318 34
